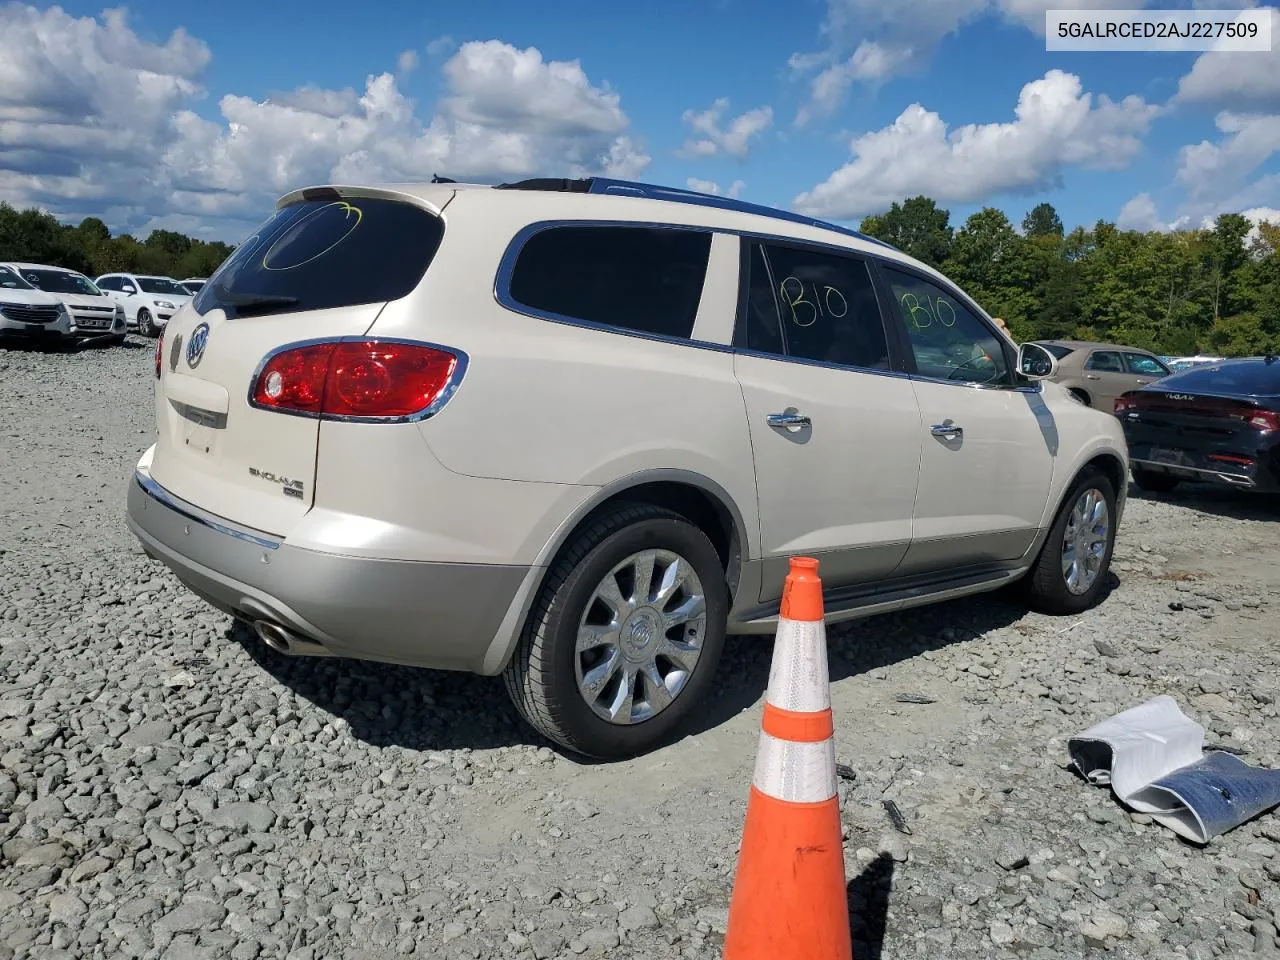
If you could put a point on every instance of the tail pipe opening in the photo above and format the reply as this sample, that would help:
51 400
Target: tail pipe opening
283 640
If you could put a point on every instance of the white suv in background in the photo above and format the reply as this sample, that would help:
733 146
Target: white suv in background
93 314
29 314
148 301
571 432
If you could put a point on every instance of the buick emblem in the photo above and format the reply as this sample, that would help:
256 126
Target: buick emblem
196 345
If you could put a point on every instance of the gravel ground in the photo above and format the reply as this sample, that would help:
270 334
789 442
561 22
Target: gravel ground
170 788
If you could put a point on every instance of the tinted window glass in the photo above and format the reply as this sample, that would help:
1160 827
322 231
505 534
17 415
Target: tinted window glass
58 281
1144 366
828 306
108 283
639 278
12 281
318 254
949 342
162 285
1255 378
762 328
1104 361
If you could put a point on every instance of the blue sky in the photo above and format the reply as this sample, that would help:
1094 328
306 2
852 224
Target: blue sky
200 129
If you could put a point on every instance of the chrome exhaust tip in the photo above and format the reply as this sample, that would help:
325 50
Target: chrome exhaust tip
285 641
273 635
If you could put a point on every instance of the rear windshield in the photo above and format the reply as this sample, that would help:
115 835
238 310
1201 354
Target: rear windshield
162 285
319 254
59 281
1253 378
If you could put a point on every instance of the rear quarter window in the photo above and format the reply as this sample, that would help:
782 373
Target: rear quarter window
320 254
644 279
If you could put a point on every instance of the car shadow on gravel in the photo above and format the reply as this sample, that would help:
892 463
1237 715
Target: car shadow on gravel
1219 501
391 705
420 709
863 645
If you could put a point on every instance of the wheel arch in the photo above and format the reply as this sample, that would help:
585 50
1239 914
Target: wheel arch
705 503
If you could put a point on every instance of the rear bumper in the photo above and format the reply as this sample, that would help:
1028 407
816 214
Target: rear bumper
1241 478
441 615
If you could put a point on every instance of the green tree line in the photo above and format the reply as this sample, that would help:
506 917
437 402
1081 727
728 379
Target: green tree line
33 236
1189 291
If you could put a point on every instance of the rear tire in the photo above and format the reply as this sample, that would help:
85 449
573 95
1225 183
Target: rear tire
145 327
1081 396
1075 538
565 692
1153 482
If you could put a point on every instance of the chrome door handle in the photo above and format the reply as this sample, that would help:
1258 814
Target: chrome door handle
947 429
1092 376
787 420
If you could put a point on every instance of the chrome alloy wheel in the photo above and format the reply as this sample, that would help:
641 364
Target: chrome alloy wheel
1084 542
640 636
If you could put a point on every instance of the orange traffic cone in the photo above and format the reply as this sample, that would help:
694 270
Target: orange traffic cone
789 898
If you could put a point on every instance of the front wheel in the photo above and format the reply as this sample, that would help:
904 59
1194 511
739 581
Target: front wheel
145 326
1069 574
625 635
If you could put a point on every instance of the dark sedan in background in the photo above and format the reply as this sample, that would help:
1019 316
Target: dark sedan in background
1216 423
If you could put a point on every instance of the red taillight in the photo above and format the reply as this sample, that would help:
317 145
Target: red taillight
1265 420
361 379
159 350
1231 458
1124 404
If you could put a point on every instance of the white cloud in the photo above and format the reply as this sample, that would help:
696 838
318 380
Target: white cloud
440 46
710 186
1140 214
407 62
871 40
1057 124
1208 169
1238 80
710 138
1216 176
94 120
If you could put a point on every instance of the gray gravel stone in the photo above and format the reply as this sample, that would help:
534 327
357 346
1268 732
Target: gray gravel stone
260 806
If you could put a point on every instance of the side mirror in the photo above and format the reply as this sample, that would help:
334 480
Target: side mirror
129 289
1035 362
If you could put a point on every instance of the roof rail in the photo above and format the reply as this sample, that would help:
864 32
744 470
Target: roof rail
630 188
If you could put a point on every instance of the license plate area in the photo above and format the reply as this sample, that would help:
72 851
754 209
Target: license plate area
1169 455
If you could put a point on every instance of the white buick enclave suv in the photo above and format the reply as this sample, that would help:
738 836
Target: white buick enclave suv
571 431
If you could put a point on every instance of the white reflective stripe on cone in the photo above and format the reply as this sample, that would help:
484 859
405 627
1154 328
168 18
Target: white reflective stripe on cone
796 772
798 675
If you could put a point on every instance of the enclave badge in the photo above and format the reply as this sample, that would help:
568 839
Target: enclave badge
196 345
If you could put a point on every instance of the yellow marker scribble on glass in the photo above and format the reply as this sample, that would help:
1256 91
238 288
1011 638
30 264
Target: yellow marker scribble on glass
347 210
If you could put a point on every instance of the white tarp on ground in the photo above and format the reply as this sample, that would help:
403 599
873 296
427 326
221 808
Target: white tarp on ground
1153 758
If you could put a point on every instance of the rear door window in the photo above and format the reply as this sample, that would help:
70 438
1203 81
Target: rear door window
644 279
1105 361
320 254
813 305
